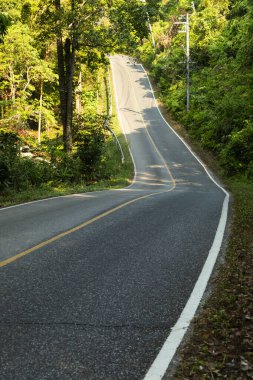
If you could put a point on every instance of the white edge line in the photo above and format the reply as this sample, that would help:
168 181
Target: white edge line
85 193
169 348
38 200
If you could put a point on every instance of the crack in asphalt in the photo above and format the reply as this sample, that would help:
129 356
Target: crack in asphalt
76 324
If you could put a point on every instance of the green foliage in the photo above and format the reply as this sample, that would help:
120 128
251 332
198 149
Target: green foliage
27 173
221 78
68 169
16 172
89 142
146 53
21 73
9 143
12 8
5 22
52 45
128 23
26 12
9 148
237 155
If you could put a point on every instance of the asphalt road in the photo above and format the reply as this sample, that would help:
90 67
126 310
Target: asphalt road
104 276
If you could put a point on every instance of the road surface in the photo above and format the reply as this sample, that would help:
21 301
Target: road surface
92 284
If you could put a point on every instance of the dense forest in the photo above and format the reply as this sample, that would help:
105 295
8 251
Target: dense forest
54 80
220 59
54 86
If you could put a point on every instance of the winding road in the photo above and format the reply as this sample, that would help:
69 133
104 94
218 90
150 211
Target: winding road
103 285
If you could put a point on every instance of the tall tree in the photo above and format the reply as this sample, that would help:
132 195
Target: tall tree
129 23
74 24
21 72
94 27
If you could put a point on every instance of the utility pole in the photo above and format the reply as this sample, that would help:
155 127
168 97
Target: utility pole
186 30
40 111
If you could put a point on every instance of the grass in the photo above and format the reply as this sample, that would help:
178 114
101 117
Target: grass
220 344
47 190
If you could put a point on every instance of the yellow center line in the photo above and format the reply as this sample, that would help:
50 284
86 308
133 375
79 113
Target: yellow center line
74 229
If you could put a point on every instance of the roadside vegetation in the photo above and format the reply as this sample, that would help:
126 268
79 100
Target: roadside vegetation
55 120
45 171
221 76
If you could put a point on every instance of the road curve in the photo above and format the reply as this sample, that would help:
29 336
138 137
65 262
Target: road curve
92 284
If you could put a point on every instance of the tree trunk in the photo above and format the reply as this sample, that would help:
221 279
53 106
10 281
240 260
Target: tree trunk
62 81
40 110
69 64
12 84
79 94
66 73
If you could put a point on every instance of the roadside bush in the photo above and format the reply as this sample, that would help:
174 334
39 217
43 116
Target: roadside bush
89 143
146 54
27 173
9 143
53 148
68 169
85 164
23 173
9 148
20 173
237 156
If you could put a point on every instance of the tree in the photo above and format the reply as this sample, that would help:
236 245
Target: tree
95 27
74 25
21 72
85 31
128 23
